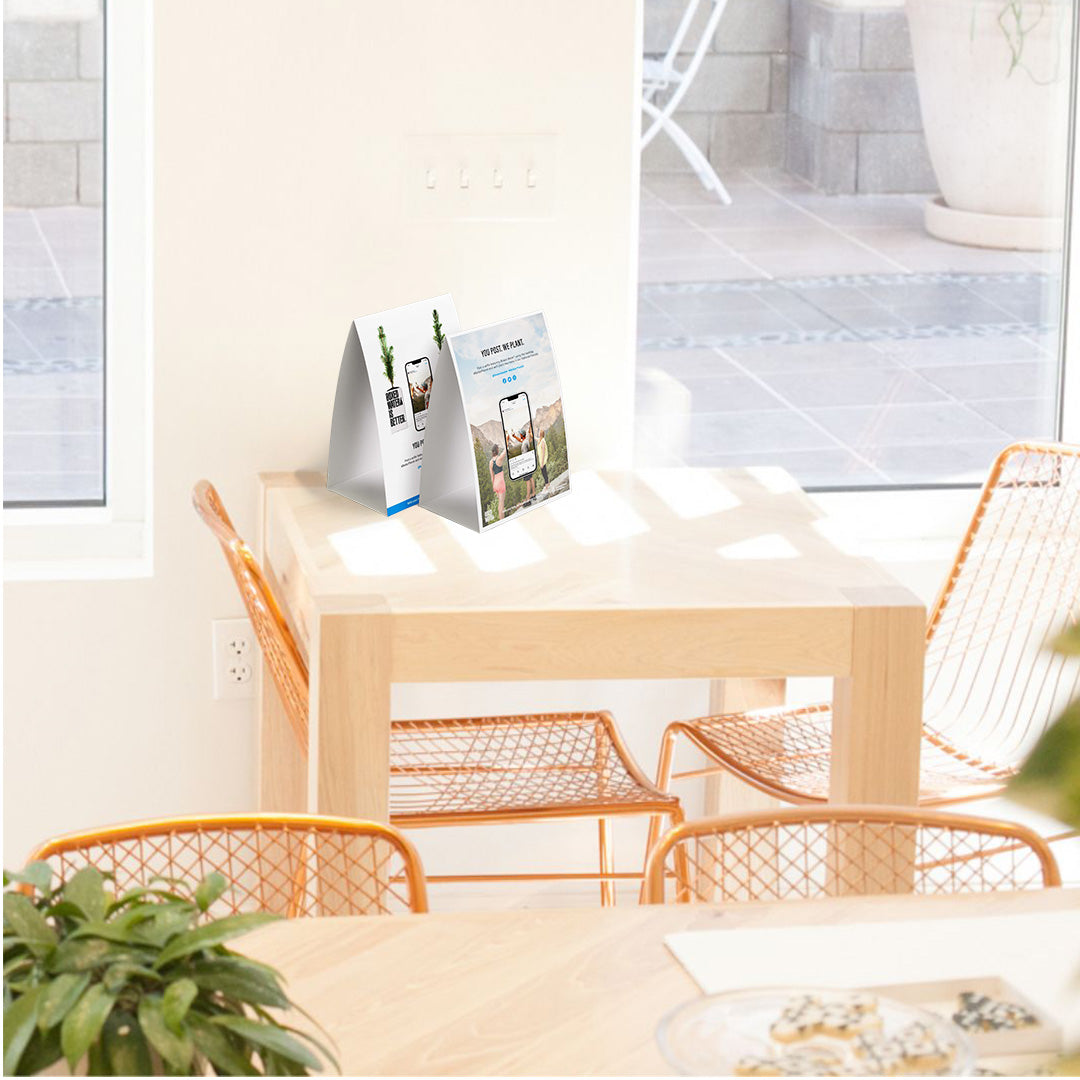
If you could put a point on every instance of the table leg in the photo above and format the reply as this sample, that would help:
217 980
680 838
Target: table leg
350 715
282 762
877 709
876 740
725 793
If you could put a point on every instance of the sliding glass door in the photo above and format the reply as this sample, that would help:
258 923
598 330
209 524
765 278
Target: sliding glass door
880 304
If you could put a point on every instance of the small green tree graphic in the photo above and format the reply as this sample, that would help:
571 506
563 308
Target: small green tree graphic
439 337
387 356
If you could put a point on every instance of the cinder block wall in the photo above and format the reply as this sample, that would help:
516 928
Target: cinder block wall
824 91
853 107
53 111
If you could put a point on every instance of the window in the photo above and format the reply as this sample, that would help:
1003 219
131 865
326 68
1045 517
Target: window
77 288
880 304
54 279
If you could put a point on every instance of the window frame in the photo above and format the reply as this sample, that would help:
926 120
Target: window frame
56 542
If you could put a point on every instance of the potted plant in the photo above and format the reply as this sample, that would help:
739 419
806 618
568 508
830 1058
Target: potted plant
139 984
993 80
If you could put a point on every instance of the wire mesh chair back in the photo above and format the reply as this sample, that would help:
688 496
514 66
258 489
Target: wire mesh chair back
807 853
295 865
992 685
280 652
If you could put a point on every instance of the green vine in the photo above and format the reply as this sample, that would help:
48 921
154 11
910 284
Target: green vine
439 337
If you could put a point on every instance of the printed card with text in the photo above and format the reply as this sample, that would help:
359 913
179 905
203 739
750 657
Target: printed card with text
496 433
382 403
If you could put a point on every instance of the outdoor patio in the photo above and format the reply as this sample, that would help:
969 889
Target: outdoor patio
831 335
53 373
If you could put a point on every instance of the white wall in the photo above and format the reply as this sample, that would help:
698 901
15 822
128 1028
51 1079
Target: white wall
279 140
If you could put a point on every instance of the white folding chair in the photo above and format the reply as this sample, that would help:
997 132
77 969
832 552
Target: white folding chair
661 74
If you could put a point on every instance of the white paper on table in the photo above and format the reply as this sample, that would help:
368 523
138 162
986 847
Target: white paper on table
1039 954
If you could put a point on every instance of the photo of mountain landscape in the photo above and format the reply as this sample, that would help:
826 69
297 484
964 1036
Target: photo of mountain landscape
488 445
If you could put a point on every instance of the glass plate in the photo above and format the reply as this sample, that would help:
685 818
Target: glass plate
716 1035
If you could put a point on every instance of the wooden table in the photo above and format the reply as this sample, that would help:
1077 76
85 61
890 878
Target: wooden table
665 574
539 992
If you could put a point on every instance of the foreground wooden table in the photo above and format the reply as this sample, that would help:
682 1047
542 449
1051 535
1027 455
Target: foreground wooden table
665 574
540 992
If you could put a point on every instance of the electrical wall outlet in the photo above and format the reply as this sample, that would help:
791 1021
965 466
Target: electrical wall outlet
235 654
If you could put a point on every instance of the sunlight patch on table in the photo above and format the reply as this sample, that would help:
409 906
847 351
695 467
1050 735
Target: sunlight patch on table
384 548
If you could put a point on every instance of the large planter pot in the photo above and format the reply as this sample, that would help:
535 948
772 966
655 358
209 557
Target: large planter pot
995 109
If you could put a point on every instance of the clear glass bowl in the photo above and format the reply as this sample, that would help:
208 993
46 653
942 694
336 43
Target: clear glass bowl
712 1035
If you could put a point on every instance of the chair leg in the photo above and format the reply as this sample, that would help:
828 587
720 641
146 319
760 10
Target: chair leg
663 782
607 864
688 148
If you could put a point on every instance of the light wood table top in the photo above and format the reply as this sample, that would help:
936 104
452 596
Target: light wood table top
653 538
538 992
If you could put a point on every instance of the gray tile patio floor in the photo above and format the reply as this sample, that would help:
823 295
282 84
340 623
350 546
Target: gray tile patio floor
833 336
53 372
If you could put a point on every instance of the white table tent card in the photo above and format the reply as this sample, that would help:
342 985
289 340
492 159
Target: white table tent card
381 407
496 440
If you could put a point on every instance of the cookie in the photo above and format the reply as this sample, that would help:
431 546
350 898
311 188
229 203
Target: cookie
915 1049
799 1061
980 1012
842 1017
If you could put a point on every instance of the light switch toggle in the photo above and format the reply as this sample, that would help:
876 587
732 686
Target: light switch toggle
463 178
530 177
429 179
497 178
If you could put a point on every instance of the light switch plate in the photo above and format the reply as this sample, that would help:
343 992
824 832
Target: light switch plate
480 177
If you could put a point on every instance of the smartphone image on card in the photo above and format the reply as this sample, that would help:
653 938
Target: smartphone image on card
418 376
518 435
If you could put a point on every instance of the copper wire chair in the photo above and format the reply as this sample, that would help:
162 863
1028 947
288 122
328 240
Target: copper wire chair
468 771
806 853
991 684
294 864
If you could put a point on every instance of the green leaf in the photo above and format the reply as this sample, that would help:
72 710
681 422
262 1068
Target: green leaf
119 934
176 1001
86 889
214 1044
132 895
269 1035
83 1023
1049 781
20 1023
240 978
28 923
210 888
42 1051
176 1049
39 874
84 954
125 1049
214 933
118 975
169 921
1069 641
64 909
58 998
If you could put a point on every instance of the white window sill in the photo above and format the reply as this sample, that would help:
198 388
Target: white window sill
74 545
